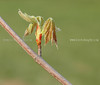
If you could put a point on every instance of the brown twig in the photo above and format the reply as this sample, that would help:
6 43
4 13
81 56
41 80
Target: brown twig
37 58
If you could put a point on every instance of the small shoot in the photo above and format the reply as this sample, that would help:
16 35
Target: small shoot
43 28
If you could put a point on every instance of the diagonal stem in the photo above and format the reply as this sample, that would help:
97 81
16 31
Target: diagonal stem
37 59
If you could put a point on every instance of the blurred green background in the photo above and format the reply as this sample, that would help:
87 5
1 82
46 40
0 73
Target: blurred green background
78 61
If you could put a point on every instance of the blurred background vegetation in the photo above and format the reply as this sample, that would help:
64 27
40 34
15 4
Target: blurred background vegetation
77 61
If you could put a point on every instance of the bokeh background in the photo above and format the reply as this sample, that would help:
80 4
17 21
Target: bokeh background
78 56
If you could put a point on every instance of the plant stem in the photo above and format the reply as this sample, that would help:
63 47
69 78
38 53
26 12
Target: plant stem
37 58
39 50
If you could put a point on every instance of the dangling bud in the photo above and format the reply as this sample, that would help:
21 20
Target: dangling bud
29 30
49 31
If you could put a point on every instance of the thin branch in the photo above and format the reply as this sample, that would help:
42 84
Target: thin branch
37 59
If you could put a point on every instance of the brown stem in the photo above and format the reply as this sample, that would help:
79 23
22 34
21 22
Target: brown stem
39 50
37 58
